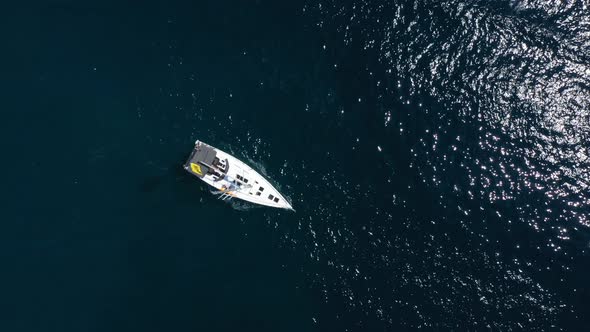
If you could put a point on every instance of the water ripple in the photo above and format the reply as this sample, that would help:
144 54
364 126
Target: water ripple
512 80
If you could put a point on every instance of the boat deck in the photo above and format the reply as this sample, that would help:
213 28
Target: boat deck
232 177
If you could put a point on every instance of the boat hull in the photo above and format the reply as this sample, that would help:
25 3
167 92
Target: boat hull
233 178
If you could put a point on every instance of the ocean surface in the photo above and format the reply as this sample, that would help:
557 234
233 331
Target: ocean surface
437 154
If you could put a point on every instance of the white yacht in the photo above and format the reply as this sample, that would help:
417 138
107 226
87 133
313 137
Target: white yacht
232 177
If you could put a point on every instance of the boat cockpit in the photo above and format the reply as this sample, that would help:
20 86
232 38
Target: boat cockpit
204 161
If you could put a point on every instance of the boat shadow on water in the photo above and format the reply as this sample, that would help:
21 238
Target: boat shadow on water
151 183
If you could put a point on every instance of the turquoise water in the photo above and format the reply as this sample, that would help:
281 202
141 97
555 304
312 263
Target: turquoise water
435 153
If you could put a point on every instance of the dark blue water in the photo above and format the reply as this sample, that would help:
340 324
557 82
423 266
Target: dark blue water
436 152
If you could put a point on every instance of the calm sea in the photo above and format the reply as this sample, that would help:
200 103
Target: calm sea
436 153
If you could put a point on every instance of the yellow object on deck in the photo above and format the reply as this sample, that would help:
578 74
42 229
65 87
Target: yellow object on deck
196 168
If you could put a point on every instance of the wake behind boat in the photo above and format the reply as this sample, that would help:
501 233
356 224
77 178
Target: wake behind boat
232 177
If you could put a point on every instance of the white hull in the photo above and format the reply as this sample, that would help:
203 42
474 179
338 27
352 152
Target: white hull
232 177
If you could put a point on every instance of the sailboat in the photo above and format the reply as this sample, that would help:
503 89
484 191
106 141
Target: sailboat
232 178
